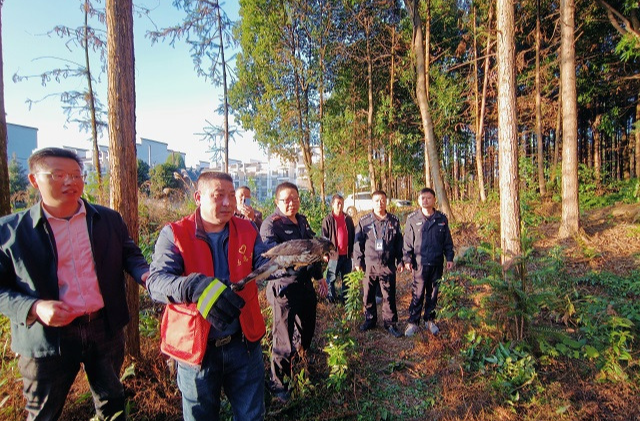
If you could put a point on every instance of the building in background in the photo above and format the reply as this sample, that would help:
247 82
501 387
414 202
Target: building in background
22 141
154 152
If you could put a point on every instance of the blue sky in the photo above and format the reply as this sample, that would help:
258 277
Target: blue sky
172 102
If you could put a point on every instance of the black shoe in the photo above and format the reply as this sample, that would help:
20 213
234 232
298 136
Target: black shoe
392 330
367 326
282 396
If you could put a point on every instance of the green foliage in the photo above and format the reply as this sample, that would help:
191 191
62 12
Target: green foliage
449 296
513 372
176 160
301 384
338 350
143 172
161 177
353 300
629 47
475 351
618 351
149 324
18 180
314 209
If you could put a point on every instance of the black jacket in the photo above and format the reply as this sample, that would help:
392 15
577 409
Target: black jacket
365 253
28 272
329 231
427 241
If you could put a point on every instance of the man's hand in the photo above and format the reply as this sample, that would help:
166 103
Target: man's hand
217 303
323 288
144 277
400 268
357 269
407 266
247 211
53 313
450 265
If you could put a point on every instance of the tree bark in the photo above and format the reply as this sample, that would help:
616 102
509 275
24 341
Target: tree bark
597 157
507 136
557 138
225 90
122 139
570 223
92 103
539 139
637 130
481 105
427 65
372 172
5 192
427 123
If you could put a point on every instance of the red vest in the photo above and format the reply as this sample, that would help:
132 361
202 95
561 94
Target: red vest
197 257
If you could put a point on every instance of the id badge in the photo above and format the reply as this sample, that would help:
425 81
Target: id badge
379 244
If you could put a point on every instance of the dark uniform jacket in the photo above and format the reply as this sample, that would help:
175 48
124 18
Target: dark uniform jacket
277 229
28 272
427 241
329 231
365 253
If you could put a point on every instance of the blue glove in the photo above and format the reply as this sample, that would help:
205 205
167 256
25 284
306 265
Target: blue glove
217 303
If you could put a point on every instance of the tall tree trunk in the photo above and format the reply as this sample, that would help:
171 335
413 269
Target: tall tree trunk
481 103
637 131
225 94
456 172
427 67
392 123
427 123
597 157
122 139
5 192
557 138
92 103
570 223
372 173
540 141
507 136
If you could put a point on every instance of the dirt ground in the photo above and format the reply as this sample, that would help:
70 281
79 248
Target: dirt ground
610 241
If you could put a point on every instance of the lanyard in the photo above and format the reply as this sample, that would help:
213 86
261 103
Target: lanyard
384 229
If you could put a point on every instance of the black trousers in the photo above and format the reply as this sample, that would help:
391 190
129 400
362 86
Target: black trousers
424 289
385 280
294 324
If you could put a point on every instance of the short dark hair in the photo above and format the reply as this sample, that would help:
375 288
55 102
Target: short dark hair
286 185
379 193
244 188
36 159
428 190
212 175
336 197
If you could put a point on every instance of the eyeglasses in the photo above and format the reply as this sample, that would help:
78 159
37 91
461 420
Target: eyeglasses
61 176
290 200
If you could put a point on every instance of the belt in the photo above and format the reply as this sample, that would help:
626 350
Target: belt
88 318
218 342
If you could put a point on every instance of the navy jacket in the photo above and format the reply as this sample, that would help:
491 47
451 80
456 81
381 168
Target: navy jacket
28 272
427 241
365 253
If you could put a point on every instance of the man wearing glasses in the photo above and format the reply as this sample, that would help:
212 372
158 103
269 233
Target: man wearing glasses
292 296
62 287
